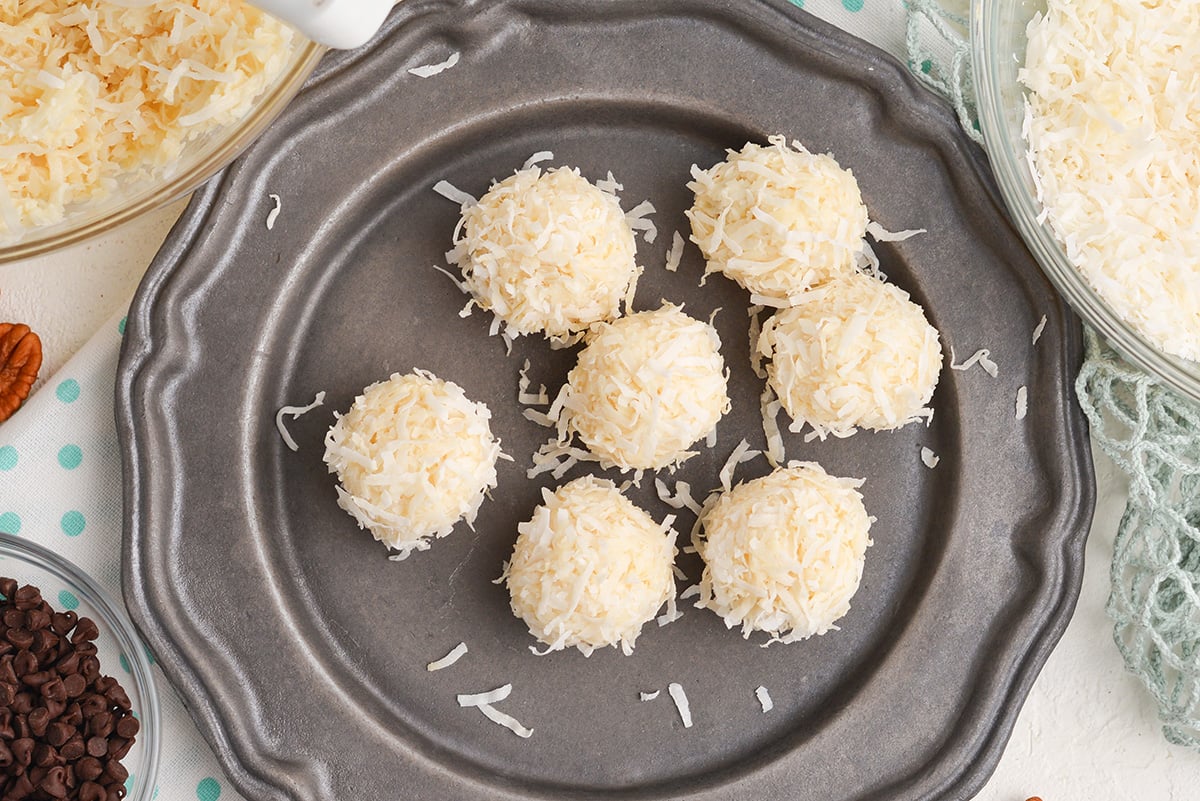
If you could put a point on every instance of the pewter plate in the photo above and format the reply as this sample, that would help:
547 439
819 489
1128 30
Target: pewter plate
301 649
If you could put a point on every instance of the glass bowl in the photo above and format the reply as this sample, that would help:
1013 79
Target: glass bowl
997 53
200 159
120 651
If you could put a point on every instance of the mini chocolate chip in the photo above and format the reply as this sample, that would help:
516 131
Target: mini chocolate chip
37 619
88 768
6 755
90 791
21 726
118 748
86 649
57 733
54 783
6 647
128 726
85 631
68 664
14 618
91 703
21 787
38 720
44 640
27 597
38 678
24 662
7 693
103 684
114 772
97 746
44 756
54 690
101 725
74 684
55 708
62 622
22 750
89 668
73 748
8 588
21 638
119 698
72 715
23 703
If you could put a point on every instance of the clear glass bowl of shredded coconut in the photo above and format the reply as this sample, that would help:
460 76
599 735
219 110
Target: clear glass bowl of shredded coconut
999 35
112 108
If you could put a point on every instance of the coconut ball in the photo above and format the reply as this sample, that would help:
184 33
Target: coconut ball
646 388
856 352
784 553
778 219
547 252
413 456
590 568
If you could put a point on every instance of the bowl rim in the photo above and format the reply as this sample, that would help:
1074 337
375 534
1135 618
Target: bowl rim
1014 177
112 616
238 137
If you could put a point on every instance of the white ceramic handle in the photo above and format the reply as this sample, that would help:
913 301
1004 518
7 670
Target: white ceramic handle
342 24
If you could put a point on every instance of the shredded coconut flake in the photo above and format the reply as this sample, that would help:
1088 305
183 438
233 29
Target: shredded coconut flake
929 458
741 453
429 70
764 699
453 193
295 411
681 703
675 254
682 497
649 696
505 720
456 653
1022 402
273 214
538 158
881 234
490 697
1037 332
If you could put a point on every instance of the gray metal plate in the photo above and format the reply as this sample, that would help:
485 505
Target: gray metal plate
301 649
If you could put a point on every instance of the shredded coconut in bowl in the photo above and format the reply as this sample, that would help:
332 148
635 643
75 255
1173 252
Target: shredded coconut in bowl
413 456
1113 126
778 219
646 388
547 252
854 353
98 95
784 554
590 568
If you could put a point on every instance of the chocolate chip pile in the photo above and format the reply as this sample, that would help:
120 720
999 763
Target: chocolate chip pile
63 726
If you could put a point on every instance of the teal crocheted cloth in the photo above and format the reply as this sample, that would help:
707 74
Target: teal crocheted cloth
1149 431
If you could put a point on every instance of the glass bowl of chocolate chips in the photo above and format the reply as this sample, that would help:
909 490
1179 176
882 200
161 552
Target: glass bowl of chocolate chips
79 711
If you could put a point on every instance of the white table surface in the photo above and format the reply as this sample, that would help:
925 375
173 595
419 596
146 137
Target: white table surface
1088 731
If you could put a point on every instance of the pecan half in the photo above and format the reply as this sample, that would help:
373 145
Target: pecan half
20 360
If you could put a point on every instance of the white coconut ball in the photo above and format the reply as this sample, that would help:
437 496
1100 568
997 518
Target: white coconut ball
413 456
646 388
778 219
590 568
784 554
547 252
855 353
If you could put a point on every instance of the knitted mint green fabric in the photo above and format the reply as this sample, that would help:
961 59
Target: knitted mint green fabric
1149 431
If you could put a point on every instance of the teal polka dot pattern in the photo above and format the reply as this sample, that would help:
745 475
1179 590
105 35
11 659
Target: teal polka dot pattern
73 523
10 523
852 5
121 326
208 789
68 391
67 600
125 664
70 456
798 3
8 457
129 784
149 656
